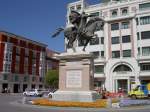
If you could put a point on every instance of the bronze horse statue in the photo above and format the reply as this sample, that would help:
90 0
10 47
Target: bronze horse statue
82 30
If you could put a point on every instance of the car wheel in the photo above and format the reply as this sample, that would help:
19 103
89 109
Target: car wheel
24 94
133 96
35 95
40 95
50 96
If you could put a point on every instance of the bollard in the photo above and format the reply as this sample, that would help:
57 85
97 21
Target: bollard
109 103
23 100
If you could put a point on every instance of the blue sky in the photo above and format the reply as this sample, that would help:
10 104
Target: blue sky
35 19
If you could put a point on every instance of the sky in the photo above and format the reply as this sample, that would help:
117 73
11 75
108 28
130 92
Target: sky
36 19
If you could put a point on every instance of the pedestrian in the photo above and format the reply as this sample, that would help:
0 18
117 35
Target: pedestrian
6 90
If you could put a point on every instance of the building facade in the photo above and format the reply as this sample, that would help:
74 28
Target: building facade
122 49
52 63
22 63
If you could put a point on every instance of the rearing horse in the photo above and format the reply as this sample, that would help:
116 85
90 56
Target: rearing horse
82 29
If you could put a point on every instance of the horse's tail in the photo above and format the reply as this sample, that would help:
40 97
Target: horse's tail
59 30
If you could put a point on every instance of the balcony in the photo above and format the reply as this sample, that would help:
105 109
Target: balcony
99 75
143 59
145 73
120 17
107 4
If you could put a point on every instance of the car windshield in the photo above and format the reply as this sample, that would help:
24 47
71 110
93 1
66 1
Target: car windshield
39 90
53 90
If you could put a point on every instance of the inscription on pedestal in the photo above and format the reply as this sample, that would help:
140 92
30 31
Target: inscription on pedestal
74 79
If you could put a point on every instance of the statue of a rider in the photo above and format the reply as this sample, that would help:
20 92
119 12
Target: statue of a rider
82 30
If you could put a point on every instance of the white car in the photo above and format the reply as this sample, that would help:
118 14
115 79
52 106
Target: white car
33 92
50 94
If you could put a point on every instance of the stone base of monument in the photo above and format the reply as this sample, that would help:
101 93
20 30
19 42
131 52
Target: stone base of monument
79 96
76 78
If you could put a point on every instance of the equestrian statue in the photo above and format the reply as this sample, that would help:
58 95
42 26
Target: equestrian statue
82 29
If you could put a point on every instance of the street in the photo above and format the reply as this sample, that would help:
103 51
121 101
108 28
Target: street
12 103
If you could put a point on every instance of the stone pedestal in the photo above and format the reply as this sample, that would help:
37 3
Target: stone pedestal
76 78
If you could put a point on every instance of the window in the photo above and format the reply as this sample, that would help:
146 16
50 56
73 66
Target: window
114 13
5 77
138 35
145 20
139 53
97 84
17 50
94 41
126 53
95 14
102 40
145 66
9 47
16 78
81 42
124 25
7 67
72 8
26 52
34 54
145 35
98 28
40 86
115 54
124 11
126 39
33 70
33 79
99 68
102 53
17 64
25 79
96 54
78 7
41 79
115 26
144 6
8 56
146 51
26 65
115 40
137 21
122 68
33 86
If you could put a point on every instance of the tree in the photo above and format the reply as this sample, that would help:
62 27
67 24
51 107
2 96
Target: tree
51 78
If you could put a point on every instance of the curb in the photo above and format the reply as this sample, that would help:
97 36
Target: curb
30 105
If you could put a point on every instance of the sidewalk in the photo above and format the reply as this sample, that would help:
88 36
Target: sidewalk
11 94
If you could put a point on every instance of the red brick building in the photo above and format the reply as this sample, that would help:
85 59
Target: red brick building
51 62
22 62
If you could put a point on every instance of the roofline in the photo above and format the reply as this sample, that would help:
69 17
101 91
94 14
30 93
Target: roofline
50 50
24 38
52 58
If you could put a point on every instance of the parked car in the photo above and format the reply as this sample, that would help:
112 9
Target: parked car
50 94
33 92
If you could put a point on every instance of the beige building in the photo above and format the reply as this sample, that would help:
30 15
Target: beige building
122 49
